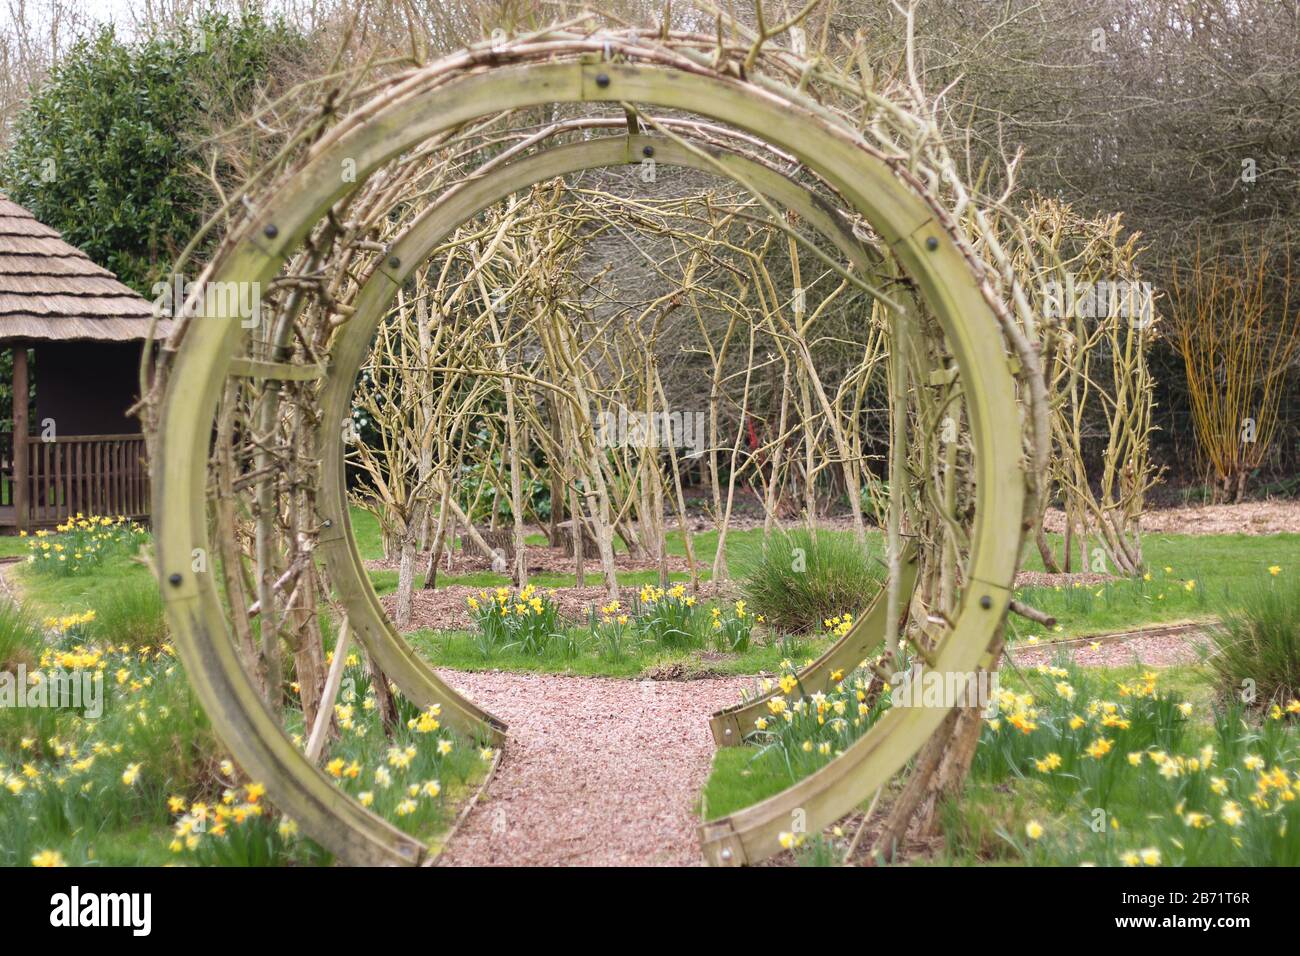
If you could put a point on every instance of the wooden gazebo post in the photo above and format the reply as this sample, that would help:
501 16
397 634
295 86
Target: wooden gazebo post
21 471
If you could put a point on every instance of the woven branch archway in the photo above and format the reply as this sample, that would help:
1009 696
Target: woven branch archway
207 350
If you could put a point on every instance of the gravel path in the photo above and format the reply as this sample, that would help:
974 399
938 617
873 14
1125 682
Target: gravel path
596 772
1155 650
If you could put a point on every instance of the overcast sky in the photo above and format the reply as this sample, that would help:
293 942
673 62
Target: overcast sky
124 14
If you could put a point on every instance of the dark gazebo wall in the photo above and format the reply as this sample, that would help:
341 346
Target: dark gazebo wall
86 387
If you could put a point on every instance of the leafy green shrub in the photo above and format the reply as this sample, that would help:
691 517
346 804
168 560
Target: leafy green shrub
795 581
1257 648
110 150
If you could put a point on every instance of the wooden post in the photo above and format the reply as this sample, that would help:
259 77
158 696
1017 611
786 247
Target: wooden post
21 470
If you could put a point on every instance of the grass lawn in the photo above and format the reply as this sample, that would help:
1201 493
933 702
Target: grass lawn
1190 577
1112 766
145 757
738 780
12 546
49 595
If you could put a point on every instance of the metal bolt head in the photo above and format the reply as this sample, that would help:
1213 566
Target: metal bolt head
647 151
394 262
602 80
932 243
271 231
725 856
174 579
986 602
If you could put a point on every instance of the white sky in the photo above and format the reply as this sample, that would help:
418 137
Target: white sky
37 12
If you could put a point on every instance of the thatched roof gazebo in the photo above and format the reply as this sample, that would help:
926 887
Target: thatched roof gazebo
75 334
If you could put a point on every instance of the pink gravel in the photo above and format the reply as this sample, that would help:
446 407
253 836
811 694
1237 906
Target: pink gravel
1157 650
596 772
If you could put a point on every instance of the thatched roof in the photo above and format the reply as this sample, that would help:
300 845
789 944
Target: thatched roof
52 291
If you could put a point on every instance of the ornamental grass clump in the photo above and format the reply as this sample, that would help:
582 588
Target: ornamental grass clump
130 615
20 638
798 580
1257 646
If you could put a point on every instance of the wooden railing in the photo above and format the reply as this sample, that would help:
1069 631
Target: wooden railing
91 474
7 471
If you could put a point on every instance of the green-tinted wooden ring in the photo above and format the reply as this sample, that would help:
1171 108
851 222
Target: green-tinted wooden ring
900 216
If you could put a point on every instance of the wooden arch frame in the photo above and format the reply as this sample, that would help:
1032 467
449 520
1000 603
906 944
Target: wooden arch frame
894 207
349 349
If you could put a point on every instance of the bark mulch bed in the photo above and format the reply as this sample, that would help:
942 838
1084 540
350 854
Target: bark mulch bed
1042 579
541 560
444 608
1278 516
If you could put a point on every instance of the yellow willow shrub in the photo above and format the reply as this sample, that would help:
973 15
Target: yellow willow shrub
1237 332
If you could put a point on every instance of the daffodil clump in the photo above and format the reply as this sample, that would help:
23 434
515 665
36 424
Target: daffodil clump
667 616
526 621
81 543
63 623
613 630
802 731
1132 780
148 765
403 773
840 625
240 828
733 628
1076 730
67 775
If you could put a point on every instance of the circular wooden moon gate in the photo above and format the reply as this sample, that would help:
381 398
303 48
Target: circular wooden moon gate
611 69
